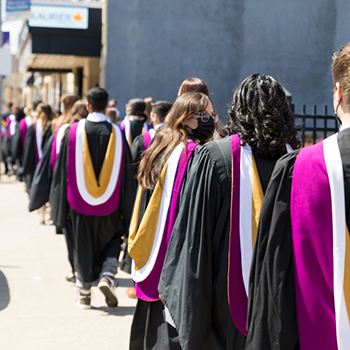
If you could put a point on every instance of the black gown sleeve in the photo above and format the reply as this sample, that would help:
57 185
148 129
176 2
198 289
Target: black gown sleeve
40 189
186 282
58 191
137 148
17 146
272 322
128 189
28 162
47 134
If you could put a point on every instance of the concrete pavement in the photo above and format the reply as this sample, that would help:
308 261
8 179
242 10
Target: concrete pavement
37 309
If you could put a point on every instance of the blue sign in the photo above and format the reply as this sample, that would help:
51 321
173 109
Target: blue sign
17 5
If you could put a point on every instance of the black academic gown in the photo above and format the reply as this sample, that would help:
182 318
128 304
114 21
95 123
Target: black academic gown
136 127
40 188
16 152
136 153
40 191
137 149
96 237
28 161
272 318
193 283
149 330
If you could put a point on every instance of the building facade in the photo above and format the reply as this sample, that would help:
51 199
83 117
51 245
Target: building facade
154 45
60 48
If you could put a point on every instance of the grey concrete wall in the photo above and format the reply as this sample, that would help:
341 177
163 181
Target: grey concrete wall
154 45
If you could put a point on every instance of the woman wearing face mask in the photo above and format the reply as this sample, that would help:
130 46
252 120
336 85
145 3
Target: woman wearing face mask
162 174
198 85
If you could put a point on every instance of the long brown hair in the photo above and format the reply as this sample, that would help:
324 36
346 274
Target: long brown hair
68 101
46 114
193 84
169 137
77 112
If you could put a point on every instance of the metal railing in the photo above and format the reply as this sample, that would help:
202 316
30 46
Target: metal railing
315 128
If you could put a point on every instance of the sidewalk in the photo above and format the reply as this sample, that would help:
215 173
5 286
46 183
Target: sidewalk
37 309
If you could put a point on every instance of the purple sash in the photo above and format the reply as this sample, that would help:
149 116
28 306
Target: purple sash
146 127
37 158
74 197
237 297
146 140
9 121
148 289
122 126
23 128
311 216
3 130
53 152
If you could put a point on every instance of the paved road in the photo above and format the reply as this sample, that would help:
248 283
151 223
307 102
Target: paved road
37 309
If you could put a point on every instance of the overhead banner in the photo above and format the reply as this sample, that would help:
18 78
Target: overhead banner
59 17
17 5
82 3
16 9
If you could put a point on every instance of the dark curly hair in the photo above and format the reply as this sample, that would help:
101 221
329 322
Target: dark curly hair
261 116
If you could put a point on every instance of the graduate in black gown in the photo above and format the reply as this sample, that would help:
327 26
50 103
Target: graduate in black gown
11 140
135 122
299 284
162 175
19 141
40 188
139 146
204 277
36 138
93 184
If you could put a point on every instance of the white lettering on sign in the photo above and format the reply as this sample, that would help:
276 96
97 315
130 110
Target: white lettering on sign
59 17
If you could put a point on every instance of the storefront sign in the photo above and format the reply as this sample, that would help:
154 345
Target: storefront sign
59 17
17 5
83 3
16 9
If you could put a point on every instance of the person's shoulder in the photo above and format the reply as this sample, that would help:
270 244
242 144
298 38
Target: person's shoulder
137 141
307 155
217 155
217 149
287 158
284 166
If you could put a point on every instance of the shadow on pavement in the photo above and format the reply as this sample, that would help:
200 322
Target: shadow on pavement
117 311
4 292
124 282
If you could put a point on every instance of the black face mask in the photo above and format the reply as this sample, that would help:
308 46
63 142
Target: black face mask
204 131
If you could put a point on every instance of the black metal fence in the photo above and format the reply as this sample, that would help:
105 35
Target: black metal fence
315 128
